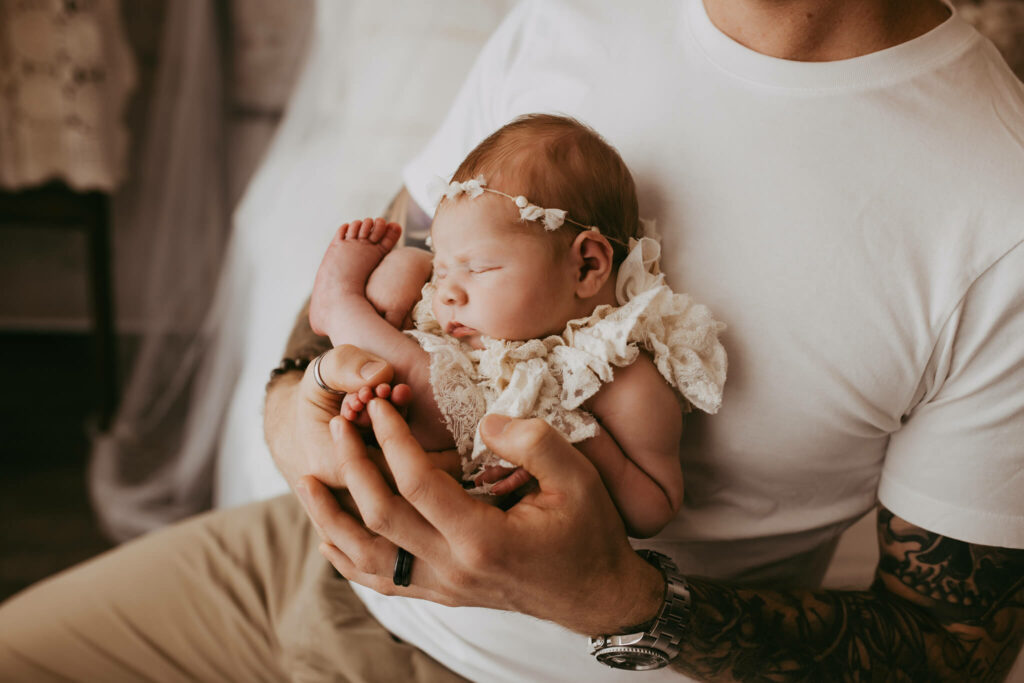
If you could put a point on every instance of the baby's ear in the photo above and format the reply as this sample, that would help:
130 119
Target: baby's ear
593 257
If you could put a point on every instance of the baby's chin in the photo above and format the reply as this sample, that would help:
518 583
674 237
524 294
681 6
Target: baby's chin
474 341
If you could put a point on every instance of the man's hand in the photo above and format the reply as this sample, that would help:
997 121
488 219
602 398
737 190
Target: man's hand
560 553
298 414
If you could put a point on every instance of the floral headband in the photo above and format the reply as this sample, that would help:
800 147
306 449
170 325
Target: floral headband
552 219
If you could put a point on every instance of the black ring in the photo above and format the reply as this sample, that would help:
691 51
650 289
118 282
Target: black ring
403 567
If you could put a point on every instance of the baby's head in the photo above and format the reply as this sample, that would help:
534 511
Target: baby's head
502 276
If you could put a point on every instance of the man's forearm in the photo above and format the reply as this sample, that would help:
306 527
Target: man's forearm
749 635
939 610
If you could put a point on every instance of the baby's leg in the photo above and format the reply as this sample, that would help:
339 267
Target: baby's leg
339 291
353 406
339 308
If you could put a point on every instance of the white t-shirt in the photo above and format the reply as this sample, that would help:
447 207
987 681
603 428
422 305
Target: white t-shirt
859 225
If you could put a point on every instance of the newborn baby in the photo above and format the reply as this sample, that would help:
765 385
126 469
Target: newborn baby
533 311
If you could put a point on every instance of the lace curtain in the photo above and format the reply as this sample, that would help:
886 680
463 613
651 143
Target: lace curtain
66 72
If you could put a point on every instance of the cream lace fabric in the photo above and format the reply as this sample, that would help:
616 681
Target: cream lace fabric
551 378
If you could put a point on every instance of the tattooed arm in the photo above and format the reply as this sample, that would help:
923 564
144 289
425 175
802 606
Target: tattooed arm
938 610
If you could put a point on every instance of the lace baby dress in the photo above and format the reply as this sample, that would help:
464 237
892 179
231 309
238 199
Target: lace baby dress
551 378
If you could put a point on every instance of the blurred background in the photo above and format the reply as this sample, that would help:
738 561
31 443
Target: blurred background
169 174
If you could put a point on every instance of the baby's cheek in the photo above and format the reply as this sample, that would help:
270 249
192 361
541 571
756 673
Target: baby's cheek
435 306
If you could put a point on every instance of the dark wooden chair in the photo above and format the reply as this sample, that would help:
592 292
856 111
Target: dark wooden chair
57 205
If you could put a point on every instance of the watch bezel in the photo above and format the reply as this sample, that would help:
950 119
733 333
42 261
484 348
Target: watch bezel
632 657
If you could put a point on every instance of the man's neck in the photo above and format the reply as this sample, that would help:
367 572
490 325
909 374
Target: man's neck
824 30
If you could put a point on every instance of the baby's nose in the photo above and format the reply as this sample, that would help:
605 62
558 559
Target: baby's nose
453 295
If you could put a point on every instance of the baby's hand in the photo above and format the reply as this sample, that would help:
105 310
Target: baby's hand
353 406
396 284
505 480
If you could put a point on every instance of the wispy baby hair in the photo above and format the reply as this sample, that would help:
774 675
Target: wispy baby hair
556 161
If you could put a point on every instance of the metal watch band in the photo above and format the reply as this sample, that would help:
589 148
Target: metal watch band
661 641
673 618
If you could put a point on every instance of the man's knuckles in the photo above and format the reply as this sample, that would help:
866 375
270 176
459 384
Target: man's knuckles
377 518
480 556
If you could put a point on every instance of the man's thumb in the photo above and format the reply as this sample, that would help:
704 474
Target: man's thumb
538 448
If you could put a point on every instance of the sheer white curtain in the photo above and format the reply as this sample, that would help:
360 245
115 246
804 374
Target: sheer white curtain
181 205
378 78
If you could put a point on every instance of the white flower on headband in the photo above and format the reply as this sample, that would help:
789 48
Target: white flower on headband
474 187
551 218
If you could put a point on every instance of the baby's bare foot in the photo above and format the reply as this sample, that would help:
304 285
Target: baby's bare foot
353 406
351 256
356 250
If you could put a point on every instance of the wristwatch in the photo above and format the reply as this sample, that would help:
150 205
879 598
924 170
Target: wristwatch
658 644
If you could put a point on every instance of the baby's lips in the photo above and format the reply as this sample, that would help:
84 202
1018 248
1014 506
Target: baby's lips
461 331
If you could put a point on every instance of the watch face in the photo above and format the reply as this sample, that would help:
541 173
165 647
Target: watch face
632 658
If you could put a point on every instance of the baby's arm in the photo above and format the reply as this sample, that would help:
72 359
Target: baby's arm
637 449
340 309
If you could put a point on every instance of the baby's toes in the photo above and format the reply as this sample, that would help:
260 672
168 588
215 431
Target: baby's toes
401 395
365 227
353 402
391 233
377 230
344 231
365 395
382 391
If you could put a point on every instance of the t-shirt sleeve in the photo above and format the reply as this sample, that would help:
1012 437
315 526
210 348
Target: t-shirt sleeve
956 466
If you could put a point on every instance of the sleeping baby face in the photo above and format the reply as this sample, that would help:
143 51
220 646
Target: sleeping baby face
496 276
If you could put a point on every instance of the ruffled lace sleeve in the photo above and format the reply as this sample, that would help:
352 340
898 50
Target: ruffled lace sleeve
680 334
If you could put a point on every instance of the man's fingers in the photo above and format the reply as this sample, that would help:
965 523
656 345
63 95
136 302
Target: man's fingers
432 491
367 552
383 511
324 510
422 580
538 448
349 368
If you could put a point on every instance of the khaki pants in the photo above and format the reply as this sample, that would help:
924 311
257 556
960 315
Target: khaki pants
235 595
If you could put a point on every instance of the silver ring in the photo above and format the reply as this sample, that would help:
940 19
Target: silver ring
318 378
403 567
